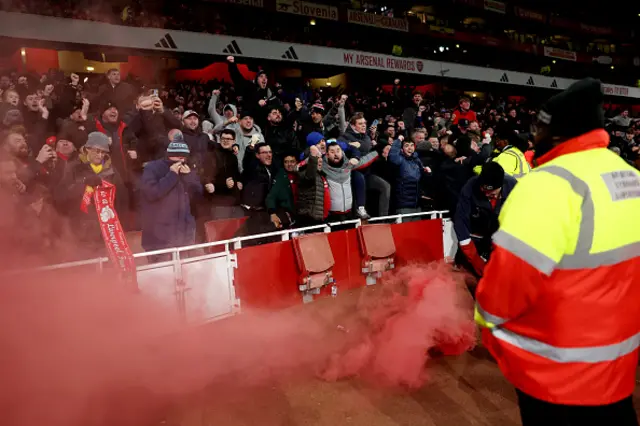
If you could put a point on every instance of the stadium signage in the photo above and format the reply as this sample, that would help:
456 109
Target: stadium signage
379 21
554 52
529 14
305 8
69 31
383 62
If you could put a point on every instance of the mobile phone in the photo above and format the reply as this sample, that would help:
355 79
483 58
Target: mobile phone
375 123
154 92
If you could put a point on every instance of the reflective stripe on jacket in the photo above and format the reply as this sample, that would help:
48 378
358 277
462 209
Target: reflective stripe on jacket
513 162
560 296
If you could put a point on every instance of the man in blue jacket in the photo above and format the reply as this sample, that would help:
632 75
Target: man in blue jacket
476 217
408 173
166 188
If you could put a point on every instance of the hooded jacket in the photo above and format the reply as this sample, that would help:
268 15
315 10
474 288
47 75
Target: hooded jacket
339 180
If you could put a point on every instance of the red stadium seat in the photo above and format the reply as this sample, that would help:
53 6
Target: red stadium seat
315 262
378 250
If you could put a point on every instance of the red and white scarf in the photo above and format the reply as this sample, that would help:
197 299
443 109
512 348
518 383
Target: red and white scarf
103 198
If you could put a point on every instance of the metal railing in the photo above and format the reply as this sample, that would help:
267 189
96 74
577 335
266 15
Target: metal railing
229 245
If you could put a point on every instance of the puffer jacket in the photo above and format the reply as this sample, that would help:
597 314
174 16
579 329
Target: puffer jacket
351 135
339 180
408 173
314 197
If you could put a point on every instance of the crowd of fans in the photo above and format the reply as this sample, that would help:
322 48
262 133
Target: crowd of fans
184 154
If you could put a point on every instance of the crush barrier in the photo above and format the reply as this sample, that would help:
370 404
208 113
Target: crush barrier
215 280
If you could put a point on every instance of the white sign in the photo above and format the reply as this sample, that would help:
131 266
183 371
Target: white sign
379 21
306 8
35 27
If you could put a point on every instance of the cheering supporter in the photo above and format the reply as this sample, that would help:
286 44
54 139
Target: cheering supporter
258 179
248 133
464 112
197 140
338 170
229 117
221 179
75 126
408 174
73 195
314 196
283 196
168 186
280 136
119 92
29 170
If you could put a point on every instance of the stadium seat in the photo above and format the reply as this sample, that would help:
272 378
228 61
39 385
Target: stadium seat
315 262
378 250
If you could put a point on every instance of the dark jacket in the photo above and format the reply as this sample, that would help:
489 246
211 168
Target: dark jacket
313 192
221 164
123 95
69 192
350 135
151 129
449 181
257 179
474 213
281 195
408 174
252 94
198 145
165 214
122 140
282 140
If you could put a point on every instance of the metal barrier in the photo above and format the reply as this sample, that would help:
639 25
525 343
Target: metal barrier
201 285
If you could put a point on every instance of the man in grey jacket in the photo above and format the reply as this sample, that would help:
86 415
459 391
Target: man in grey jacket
338 171
228 119
247 133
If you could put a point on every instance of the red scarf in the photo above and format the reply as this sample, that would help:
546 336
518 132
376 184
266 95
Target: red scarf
112 233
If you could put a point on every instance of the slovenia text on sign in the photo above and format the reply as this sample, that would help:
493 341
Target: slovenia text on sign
305 8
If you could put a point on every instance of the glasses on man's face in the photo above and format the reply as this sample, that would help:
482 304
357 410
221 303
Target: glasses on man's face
227 139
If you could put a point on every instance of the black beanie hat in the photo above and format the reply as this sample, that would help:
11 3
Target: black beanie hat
492 176
575 111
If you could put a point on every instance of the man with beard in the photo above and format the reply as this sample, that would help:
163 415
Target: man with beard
560 295
28 169
280 136
338 171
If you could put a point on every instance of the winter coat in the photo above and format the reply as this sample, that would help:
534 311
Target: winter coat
281 194
339 180
282 140
69 192
198 143
474 214
221 164
151 129
351 135
219 120
165 213
314 197
122 94
122 140
257 180
409 171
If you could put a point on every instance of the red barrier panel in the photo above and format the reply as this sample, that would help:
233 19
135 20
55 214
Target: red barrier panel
267 275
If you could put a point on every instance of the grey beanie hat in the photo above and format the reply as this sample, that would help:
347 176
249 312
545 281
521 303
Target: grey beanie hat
98 140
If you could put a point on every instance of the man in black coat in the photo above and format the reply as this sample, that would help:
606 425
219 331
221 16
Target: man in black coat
279 135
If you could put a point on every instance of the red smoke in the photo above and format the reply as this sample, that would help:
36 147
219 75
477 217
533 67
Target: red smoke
80 349
424 308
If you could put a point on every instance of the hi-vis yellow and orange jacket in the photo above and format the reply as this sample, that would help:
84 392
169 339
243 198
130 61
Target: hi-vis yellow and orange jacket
560 297
513 162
